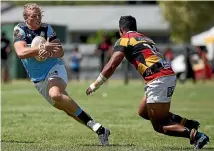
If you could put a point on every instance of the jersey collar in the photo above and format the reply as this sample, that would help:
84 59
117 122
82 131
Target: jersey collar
130 31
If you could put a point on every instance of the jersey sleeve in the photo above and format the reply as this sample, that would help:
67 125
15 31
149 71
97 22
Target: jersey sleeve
121 44
51 34
18 34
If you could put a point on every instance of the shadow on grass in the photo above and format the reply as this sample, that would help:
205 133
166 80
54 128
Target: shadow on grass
112 145
208 148
15 141
187 148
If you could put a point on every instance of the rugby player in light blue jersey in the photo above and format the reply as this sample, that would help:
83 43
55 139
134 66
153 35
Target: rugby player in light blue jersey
45 68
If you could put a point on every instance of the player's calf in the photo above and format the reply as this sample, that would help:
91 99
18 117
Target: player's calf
82 117
72 109
173 118
198 139
184 121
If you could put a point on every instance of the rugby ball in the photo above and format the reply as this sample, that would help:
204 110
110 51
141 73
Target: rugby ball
35 43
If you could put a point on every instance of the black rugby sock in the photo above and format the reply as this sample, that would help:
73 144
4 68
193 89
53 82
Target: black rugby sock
82 116
186 133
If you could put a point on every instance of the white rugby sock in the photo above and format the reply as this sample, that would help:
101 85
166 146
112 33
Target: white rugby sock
93 125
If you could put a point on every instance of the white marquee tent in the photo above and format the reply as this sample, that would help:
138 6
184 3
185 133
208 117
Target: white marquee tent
205 39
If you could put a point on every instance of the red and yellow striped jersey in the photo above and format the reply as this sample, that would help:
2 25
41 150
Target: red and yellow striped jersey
141 51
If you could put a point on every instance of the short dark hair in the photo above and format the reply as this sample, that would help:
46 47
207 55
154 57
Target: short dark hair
128 23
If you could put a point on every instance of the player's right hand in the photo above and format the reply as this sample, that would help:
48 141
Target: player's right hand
49 46
43 54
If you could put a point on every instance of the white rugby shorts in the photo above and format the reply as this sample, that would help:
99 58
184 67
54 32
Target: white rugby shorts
58 71
160 90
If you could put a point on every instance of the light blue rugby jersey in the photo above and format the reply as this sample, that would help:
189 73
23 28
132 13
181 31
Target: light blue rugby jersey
37 70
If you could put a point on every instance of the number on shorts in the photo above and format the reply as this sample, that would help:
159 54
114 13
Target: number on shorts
170 91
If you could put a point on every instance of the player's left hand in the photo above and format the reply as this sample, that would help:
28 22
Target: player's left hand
89 91
47 49
50 46
92 88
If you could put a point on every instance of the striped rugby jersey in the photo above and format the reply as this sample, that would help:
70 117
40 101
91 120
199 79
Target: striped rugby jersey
141 51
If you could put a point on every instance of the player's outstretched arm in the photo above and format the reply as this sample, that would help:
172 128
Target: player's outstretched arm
107 71
113 63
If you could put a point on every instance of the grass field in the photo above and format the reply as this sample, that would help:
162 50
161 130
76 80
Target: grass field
30 123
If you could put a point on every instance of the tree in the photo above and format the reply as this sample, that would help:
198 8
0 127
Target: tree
187 18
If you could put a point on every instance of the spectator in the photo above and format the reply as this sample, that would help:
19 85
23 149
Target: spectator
76 57
168 54
104 48
190 74
5 50
207 65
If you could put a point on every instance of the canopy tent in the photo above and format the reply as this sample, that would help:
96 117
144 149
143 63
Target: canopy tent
205 39
209 39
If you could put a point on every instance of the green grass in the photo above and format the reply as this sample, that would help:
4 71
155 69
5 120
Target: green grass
30 123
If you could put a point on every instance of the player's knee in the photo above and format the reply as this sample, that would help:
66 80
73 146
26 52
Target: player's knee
143 114
56 96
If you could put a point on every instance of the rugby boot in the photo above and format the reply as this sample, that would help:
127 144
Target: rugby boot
104 137
198 139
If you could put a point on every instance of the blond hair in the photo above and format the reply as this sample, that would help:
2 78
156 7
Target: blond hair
31 6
